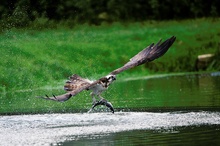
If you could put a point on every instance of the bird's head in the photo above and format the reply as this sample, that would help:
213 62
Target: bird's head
110 78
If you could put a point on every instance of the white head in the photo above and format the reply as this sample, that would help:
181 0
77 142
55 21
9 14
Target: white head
111 78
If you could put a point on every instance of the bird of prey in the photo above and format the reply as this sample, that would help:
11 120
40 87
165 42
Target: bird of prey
76 84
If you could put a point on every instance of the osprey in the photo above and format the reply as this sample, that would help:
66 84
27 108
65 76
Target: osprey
76 84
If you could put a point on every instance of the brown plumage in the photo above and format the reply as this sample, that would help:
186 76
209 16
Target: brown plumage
148 54
76 84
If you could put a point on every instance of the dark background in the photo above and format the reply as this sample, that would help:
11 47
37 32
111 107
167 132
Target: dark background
20 13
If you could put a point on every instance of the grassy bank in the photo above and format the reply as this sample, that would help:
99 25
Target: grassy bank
31 58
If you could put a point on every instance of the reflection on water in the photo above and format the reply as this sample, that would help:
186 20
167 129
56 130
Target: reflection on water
163 93
189 135
166 110
189 92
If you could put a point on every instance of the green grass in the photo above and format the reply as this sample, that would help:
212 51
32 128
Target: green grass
32 59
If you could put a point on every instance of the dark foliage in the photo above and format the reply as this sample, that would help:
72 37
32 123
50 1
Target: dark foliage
21 12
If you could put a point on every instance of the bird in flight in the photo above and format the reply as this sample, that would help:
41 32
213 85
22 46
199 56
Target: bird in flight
77 84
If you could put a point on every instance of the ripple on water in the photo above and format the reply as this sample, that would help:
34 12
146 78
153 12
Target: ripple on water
54 128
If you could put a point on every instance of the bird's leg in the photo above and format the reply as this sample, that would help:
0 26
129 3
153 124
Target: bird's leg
100 96
94 101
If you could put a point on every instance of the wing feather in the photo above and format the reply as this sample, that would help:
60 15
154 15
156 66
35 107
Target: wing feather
75 85
148 54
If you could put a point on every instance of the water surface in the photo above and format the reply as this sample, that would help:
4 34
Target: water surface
99 128
165 110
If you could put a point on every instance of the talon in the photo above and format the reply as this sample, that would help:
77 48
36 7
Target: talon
109 105
104 102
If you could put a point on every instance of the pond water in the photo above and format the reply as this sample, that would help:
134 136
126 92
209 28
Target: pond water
164 110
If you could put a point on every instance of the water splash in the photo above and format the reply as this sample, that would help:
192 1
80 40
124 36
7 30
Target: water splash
55 128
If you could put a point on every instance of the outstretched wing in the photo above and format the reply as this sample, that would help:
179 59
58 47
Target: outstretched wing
73 86
148 54
77 84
